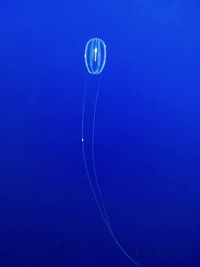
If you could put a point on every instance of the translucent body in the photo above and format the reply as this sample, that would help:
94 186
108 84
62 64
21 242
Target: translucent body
95 55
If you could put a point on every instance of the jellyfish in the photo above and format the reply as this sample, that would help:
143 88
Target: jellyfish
95 60
95 56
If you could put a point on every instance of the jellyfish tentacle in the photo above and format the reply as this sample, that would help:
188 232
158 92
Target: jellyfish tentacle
93 158
85 161
106 219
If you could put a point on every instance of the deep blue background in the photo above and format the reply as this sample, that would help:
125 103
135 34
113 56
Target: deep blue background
147 133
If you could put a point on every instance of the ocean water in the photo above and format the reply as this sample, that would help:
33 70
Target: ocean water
147 133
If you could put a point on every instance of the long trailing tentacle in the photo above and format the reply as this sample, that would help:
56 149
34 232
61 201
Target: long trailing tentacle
100 203
85 161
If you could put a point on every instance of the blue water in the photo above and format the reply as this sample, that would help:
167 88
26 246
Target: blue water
147 135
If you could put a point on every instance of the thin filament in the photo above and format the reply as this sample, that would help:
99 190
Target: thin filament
93 158
101 207
85 161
